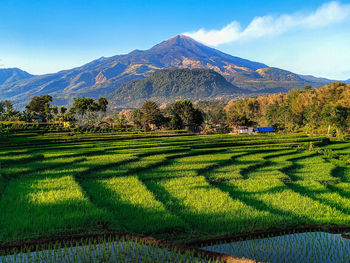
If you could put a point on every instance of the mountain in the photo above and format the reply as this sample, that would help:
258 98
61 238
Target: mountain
10 75
347 81
313 79
169 85
105 75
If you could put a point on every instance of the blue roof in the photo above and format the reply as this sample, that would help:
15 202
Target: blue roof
264 129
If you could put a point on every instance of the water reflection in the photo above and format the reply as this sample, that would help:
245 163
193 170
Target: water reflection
303 247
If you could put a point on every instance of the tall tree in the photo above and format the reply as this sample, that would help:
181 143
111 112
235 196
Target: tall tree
38 105
151 114
102 103
183 113
136 118
339 118
63 110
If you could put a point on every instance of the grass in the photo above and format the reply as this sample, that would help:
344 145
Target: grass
206 209
34 207
133 207
176 188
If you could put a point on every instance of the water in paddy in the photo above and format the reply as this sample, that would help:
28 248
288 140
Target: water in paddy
128 252
317 247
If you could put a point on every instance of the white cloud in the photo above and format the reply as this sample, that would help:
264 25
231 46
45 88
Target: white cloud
327 14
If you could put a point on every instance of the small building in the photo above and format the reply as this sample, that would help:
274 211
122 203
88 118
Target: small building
252 130
263 129
243 130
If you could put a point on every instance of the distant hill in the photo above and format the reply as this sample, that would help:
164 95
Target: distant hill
168 85
105 75
347 81
316 80
11 75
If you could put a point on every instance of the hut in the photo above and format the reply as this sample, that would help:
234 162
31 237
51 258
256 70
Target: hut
263 129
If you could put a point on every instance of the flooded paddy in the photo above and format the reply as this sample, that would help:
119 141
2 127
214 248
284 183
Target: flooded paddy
106 252
292 248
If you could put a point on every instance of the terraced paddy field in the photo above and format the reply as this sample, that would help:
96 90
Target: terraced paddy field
182 189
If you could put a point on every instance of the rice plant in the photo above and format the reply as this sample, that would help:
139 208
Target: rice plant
176 188
317 247
107 250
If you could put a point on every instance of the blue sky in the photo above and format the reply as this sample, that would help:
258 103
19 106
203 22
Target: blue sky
307 37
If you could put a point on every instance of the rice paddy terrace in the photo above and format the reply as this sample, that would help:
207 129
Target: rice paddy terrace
183 189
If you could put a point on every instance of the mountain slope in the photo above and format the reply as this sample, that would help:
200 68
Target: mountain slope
10 75
168 85
105 75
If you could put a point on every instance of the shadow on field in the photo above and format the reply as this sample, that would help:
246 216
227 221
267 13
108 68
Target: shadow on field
339 172
339 191
37 169
30 209
132 217
314 195
248 199
200 223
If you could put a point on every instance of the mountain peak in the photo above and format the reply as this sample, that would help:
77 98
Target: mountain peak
104 75
178 41
181 37
10 75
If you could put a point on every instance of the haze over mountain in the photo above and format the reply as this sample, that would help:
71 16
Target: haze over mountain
106 75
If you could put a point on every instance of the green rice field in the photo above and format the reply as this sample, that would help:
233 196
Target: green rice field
176 188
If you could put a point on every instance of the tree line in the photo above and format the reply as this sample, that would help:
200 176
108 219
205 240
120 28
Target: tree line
326 108
87 111
179 115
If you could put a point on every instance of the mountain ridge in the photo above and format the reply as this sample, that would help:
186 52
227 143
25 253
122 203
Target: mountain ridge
10 75
102 76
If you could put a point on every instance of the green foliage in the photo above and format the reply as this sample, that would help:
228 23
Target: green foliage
55 110
63 110
328 106
40 105
86 107
183 114
241 112
173 84
136 118
102 103
151 115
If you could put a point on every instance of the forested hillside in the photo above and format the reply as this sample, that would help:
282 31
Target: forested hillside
169 85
